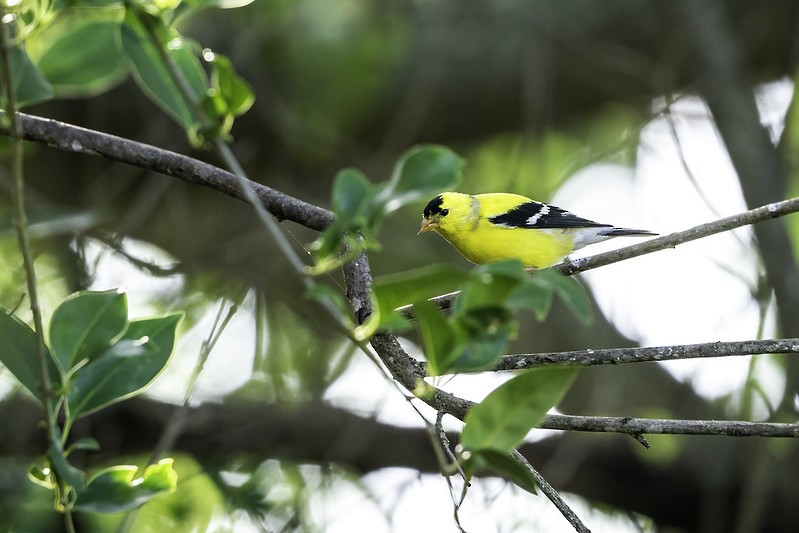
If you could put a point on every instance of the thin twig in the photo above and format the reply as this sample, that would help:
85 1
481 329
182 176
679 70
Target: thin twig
150 267
759 214
552 494
653 426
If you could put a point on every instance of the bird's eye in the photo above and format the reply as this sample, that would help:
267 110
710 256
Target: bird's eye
444 212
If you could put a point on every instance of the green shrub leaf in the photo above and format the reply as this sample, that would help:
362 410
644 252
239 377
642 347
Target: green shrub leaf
571 293
18 354
504 464
237 93
152 74
422 172
394 291
114 489
506 415
30 86
82 56
127 367
86 324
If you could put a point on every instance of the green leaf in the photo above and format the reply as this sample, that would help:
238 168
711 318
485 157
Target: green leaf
504 464
91 3
481 320
352 195
30 86
221 4
481 348
86 324
327 295
114 489
228 97
37 475
397 290
126 368
508 413
572 293
490 285
86 443
437 337
152 74
18 354
237 93
81 56
352 203
421 172
535 296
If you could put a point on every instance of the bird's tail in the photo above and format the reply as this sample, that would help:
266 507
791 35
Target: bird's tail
621 232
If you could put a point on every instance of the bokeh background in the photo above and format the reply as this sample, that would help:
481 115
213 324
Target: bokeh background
639 113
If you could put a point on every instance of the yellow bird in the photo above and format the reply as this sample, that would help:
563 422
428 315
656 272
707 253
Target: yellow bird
496 226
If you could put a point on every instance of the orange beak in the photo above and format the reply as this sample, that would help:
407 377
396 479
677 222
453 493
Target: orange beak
427 225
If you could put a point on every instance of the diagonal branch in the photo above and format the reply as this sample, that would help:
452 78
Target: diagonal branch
69 138
758 214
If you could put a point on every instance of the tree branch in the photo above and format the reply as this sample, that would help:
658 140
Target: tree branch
759 214
69 138
636 427
615 356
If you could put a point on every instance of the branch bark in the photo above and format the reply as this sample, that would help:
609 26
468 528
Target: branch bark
615 356
69 138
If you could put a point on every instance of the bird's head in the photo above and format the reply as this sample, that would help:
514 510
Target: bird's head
441 211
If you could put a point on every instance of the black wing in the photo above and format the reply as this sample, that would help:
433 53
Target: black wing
539 215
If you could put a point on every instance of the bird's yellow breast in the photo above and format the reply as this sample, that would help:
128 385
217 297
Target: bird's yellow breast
484 242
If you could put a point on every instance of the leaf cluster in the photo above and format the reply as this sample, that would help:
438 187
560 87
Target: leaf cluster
96 357
361 206
85 47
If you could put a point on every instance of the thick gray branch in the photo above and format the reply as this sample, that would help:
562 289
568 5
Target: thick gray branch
74 139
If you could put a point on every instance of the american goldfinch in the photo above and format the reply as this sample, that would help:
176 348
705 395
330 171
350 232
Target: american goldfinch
491 227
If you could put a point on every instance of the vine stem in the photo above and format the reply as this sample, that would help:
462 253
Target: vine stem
21 228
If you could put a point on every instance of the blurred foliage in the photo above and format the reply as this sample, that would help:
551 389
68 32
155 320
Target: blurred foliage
789 148
536 165
293 363
95 357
